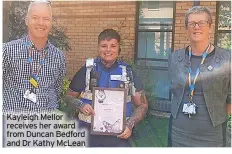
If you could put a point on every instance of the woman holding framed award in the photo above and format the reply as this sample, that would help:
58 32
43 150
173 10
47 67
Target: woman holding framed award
108 88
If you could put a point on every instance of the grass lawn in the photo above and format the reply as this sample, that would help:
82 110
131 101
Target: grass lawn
151 132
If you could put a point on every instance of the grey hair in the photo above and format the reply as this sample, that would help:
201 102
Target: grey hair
198 9
39 2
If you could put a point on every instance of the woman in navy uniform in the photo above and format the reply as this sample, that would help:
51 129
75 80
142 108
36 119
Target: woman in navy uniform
108 72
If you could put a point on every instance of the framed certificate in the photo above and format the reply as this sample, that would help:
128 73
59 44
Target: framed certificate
109 105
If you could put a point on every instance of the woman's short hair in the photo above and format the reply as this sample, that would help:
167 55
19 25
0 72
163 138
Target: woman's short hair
109 34
198 9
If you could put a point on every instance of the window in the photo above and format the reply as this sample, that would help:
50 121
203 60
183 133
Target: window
223 27
154 6
154 41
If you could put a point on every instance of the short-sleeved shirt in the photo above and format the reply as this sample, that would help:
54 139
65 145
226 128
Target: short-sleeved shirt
17 73
78 83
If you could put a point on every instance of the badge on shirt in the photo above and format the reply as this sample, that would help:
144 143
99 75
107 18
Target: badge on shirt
122 85
210 67
116 77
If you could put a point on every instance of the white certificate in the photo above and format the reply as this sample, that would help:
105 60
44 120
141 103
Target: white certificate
109 105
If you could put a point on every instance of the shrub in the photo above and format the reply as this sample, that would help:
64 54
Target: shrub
145 74
68 109
65 87
18 28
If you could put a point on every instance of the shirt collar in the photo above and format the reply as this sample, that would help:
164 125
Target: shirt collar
31 44
115 64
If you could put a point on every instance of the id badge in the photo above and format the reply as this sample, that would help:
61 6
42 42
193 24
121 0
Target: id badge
186 108
189 108
30 96
26 94
194 108
116 77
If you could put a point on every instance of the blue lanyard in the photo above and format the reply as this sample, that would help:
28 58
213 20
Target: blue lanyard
30 60
192 84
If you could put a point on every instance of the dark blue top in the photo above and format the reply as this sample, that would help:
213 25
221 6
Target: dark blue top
78 82
198 130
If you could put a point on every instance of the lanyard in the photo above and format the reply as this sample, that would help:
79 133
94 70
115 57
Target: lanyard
192 84
30 60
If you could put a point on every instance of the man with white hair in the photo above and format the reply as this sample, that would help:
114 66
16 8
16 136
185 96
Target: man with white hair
33 73
33 68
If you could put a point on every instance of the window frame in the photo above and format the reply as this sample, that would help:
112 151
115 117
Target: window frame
218 31
137 30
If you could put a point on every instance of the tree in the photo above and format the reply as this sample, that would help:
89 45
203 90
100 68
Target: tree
224 16
224 23
18 28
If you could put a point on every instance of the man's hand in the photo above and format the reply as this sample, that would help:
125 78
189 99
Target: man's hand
87 110
126 134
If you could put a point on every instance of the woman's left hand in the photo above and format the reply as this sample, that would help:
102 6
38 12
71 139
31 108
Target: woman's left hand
126 134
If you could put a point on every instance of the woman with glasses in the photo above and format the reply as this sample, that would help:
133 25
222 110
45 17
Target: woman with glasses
200 84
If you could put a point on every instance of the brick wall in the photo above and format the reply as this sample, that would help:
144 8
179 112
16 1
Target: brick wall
180 37
5 22
212 6
85 20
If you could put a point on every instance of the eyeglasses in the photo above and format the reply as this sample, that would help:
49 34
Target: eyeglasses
200 24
